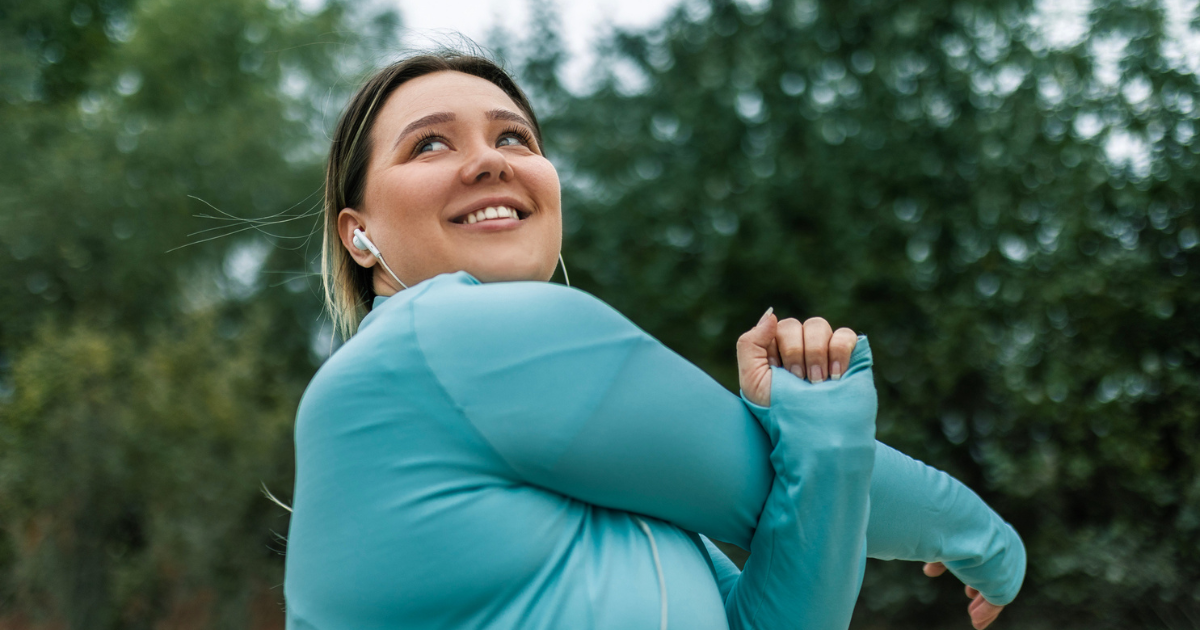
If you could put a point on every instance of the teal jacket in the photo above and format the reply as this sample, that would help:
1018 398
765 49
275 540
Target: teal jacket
520 455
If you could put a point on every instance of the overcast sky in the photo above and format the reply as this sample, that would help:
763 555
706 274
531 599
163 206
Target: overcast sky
1062 23
582 21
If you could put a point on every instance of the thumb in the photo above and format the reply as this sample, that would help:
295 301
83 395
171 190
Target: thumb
754 351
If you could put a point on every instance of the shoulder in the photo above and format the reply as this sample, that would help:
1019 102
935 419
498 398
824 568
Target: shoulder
382 348
511 312
463 293
519 340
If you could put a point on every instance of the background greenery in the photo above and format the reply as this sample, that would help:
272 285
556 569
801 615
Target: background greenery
1009 216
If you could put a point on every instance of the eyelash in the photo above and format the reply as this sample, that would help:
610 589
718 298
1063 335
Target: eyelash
423 139
426 136
521 133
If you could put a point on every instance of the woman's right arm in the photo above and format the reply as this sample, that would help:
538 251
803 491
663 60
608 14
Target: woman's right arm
578 400
923 514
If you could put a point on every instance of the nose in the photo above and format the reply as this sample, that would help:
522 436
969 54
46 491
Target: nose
484 163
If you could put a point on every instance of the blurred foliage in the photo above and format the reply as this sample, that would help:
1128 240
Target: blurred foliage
131 475
147 390
1000 194
1004 206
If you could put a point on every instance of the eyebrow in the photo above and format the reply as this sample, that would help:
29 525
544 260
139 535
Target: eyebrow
424 121
445 117
504 114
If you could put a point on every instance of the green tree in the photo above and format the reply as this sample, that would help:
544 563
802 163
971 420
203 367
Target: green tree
121 116
1009 217
131 472
1008 214
146 390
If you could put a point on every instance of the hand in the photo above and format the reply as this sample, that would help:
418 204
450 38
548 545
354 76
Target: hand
982 612
811 350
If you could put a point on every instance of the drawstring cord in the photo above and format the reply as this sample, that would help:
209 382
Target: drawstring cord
662 582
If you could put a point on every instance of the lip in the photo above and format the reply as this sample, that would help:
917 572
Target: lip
491 202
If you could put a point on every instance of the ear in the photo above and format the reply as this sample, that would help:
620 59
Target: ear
349 220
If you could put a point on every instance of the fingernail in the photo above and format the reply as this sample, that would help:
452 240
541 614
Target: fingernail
815 375
798 371
773 362
762 320
835 371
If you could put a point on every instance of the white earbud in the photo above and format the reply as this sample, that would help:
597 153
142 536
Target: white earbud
363 243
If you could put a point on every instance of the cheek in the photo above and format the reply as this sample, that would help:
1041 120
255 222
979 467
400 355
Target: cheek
550 188
410 194
408 203
543 181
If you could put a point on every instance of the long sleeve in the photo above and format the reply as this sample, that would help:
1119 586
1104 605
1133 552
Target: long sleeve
578 400
921 513
811 534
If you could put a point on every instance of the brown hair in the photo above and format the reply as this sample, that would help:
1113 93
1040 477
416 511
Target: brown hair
349 289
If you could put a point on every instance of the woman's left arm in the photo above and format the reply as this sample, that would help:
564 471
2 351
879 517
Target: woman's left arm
578 400
575 398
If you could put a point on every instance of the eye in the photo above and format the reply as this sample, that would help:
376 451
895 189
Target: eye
513 137
430 144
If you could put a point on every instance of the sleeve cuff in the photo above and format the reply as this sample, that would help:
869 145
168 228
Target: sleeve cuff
759 411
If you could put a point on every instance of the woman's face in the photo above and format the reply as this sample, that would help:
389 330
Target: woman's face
451 155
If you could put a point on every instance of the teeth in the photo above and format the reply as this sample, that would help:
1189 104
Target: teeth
495 212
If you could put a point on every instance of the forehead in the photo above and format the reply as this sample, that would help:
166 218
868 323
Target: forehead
464 95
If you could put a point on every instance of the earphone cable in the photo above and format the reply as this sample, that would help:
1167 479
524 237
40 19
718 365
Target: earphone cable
389 269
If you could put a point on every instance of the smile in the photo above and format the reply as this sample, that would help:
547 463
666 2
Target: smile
491 213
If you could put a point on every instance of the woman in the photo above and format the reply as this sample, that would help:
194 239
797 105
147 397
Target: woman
491 450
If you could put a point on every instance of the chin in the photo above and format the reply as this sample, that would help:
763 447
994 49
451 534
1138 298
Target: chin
513 272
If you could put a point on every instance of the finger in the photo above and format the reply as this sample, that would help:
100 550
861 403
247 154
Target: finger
763 336
971 592
816 348
982 623
772 344
841 345
934 569
983 613
754 368
975 611
773 351
790 338
991 616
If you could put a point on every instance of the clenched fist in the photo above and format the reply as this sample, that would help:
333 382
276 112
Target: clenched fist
811 350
